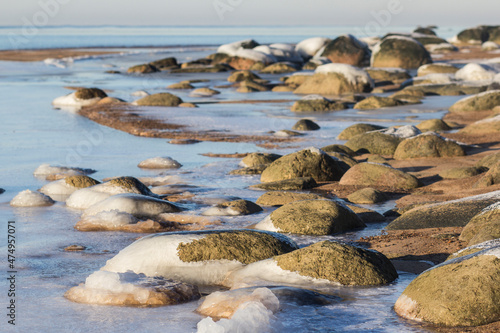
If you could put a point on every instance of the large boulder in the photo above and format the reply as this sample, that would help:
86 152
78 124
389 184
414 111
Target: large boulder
336 79
483 227
460 292
328 262
491 177
311 217
311 162
483 101
374 143
401 52
357 129
280 198
427 145
455 213
199 257
160 99
476 35
317 103
374 174
483 126
256 159
347 49
305 125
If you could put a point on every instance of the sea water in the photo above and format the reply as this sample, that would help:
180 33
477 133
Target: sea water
32 132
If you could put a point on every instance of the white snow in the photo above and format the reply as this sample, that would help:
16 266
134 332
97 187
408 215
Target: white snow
404 132
156 255
284 52
135 204
256 56
58 187
86 197
434 78
267 224
159 163
29 198
351 73
314 97
495 206
231 48
476 72
162 180
282 46
309 47
72 101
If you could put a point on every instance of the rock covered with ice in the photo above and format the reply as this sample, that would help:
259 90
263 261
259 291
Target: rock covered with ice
202 257
351 73
437 68
490 46
231 48
80 98
281 52
68 185
130 289
28 198
347 49
55 172
476 72
159 163
309 47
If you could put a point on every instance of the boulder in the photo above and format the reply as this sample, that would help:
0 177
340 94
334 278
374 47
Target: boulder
425 31
316 103
484 126
439 68
336 79
160 99
239 76
251 86
491 177
311 162
489 160
347 49
296 80
483 101
345 161
311 46
204 92
255 159
449 89
165 63
476 35
377 102
335 148
301 183
143 69
357 129
483 227
80 98
490 46
280 198
427 145
367 196
198 257
460 292
373 174
159 163
476 72
374 143
181 85
433 125
279 67
305 125
233 208
256 170
400 52
462 172
29 198
455 213
311 217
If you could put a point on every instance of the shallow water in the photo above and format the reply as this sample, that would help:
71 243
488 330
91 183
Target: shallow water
32 133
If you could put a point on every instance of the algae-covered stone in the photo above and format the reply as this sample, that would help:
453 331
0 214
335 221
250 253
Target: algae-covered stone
310 162
90 93
318 104
377 102
388 74
339 263
491 177
439 68
347 49
244 246
234 208
357 129
373 174
129 184
256 159
489 160
300 183
305 125
165 63
455 213
367 196
160 99
427 145
374 143
482 101
279 67
312 217
400 52
374 158
280 198
181 85
254 170
433 125
143 69
239 76
336 148
460 292
483 227
462 172
345 161
80 181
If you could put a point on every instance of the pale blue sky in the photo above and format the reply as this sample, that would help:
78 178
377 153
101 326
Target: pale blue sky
250 12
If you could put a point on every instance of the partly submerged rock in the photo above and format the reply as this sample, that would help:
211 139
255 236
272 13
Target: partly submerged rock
81 97
160 99
461 292
433 125
234 208
374 143
130 289
279 67
347 49
201 257
181 85
159 163
316 103
484 226
357 129
400 52
305 125
367 195
239 76
255 159
29 198
300 183
143 69
427 145
165 63
311 217
68 185
373 174
204 92
280 198
377 102
310 162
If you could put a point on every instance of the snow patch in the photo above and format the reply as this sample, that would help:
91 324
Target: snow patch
476 72
71 100
267 224
403 132
309 47
110 219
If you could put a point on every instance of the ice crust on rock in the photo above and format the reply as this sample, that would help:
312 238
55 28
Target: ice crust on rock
351 73
28 198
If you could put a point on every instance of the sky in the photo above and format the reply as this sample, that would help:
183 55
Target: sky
250 12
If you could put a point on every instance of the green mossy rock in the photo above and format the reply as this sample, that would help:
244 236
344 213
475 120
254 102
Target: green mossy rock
483 227
462 172
427 145
279 67
164 63
239 76
367 196
338 149
280 198
439 68
256 159
400 52
310 162
143 69
460 292
489 161
251 86
331 84
357 129
90 93
305 125
482 101
242 207
244 246
433 125
347 49
377 102
160 99
491 177
130 185
181 85
81 181
339 263
373 174
254 170
313 217
317 105
374 143
301 183
455 213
